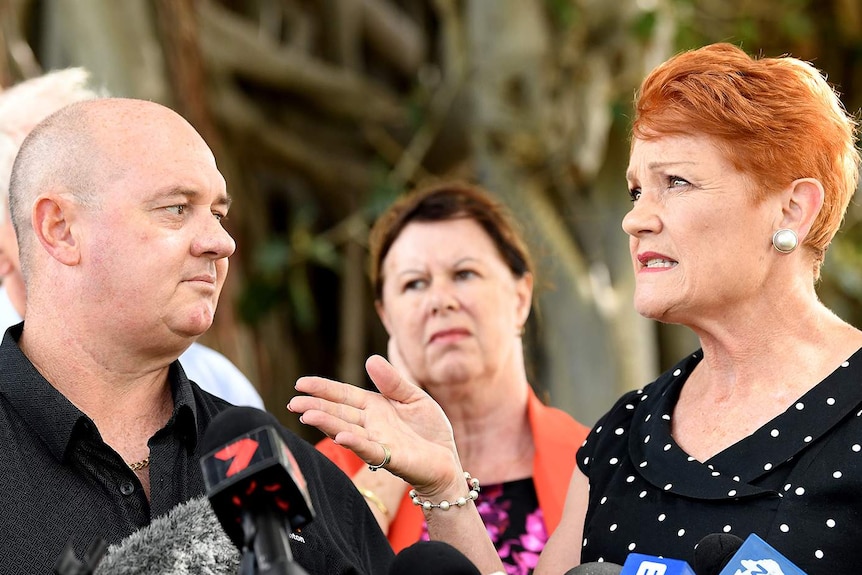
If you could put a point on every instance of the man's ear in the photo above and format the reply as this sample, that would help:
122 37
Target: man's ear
801 206
53 216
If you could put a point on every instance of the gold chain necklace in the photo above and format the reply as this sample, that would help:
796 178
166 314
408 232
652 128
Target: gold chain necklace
142 464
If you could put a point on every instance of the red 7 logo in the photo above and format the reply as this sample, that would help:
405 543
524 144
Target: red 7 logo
240 451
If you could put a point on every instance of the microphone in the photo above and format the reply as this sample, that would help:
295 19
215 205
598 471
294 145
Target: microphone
595 568
188 539
714 551
639 564
432 558
254 486
756 556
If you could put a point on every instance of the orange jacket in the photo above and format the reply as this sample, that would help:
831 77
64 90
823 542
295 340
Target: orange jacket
557 438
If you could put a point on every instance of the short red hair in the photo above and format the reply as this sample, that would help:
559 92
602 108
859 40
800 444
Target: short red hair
775 119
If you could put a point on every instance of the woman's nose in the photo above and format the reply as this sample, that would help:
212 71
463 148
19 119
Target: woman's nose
442 299
642 218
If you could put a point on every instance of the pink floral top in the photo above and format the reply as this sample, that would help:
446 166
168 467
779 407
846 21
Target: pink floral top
514 522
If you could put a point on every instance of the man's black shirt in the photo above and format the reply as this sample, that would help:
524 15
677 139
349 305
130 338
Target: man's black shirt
60 482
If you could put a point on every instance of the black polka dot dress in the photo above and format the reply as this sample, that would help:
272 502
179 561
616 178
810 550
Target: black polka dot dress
796 482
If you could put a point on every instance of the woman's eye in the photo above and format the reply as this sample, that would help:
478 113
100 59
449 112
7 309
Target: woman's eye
677 182
465 274
219 216
177 210
635 194
415 284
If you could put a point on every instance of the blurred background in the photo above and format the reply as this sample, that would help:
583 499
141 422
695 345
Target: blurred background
320 112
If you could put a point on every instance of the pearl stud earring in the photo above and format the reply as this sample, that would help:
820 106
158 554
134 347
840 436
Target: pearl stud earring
785 240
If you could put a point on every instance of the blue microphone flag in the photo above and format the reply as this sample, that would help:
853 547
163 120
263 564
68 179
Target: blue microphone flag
757 557
638 564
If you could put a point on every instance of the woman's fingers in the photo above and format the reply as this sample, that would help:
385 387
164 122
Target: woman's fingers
330 390
390 382
325 422
402 416
304 404
344 424
325 393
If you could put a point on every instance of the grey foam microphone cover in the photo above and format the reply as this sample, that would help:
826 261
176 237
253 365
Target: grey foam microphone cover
188 540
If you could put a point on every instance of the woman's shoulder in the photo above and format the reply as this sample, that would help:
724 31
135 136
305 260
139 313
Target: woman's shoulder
668 380
620 415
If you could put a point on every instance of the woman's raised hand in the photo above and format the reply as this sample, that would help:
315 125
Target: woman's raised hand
402 417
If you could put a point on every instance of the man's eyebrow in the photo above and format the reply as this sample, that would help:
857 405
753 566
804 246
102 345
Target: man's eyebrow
223 199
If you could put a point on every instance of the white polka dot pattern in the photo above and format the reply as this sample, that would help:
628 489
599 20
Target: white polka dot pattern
791 482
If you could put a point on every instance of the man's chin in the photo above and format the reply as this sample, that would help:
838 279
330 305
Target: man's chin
193 327
193 332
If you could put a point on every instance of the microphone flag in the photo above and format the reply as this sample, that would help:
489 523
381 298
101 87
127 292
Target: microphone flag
757 557
639 564
255 470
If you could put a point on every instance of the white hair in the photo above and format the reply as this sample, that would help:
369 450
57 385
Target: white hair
26 104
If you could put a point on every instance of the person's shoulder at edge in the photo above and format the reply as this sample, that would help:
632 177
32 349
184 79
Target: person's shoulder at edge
215 373
9 316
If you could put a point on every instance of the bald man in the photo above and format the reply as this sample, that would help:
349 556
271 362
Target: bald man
21 108
117 206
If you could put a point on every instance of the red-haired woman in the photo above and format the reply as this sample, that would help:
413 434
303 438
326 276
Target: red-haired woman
740 172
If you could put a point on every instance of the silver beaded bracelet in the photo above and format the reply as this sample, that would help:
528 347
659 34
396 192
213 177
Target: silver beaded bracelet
444 505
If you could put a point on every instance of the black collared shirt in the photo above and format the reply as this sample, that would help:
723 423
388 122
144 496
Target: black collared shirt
59 482
796 482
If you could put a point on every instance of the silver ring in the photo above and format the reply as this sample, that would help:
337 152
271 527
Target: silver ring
387 456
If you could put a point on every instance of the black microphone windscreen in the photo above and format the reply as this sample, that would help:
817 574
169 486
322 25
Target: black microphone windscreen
250 472
596 568
432 558
714 551
188 539
232 423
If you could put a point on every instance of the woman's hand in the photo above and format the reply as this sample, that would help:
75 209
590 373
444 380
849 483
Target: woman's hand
402 416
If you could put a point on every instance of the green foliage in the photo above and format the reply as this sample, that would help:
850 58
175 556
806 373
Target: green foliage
563 13
643 27
384 191
257 298
796 25
281 271
751 25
